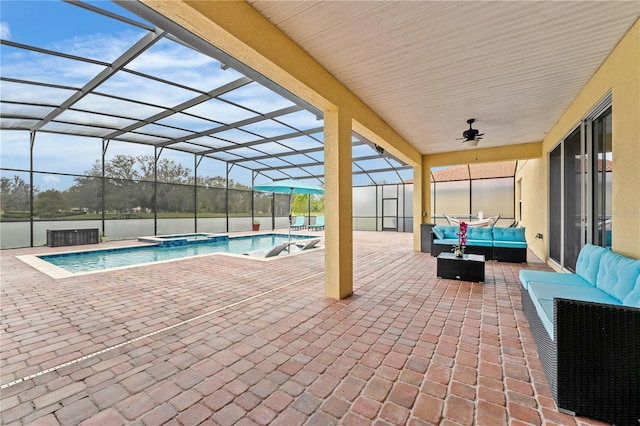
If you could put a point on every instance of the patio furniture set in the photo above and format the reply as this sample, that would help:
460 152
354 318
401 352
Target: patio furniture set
494 243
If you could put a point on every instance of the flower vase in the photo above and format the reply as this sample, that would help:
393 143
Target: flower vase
458 252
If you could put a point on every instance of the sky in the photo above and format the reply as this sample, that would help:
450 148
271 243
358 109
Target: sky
63 27
30 21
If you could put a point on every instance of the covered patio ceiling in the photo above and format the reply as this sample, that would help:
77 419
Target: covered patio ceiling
127 80
426 67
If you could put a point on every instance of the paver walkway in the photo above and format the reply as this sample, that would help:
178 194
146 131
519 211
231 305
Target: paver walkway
221 340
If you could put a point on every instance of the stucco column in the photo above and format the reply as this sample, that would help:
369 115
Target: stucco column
338 204
419 206
426 188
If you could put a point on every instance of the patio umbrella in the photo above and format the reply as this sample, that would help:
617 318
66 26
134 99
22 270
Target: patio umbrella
288 186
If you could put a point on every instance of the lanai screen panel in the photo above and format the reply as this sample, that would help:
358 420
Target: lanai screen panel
493 197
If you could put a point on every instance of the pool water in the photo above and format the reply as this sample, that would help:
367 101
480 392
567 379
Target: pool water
96 260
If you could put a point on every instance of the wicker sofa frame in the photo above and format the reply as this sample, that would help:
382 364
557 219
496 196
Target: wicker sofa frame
593 364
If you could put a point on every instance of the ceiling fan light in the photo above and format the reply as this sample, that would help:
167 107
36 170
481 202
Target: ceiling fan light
471 143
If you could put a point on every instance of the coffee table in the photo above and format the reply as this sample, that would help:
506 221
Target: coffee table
469 267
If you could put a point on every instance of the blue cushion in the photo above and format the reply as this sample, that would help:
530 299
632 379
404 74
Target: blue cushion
479 243
617 274
589 261
633 298
542 295
451 231
475 233
510 244
509 234
530 275
438 232
584 292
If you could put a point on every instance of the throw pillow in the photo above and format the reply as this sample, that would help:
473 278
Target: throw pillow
438 231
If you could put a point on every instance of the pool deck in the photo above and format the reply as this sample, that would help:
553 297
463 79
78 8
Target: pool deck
222 340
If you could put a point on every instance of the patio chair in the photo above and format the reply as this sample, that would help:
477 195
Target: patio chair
318 225
307 244
268 253
299 223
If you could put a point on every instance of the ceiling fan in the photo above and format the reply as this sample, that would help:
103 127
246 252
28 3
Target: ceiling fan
471 134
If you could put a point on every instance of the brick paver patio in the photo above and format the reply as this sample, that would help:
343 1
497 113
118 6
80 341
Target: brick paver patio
221 340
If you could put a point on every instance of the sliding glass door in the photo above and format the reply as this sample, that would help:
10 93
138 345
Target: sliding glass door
580 172
555 204
602 166
574 171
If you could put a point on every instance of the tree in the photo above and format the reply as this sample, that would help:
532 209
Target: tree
300 204
129 184
86 194
168 171
317 204
50 203
212 181
15 194
122 167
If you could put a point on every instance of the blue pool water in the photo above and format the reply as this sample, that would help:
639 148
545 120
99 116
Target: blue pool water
96 260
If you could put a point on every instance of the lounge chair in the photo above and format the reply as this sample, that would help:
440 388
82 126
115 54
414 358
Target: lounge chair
318 225
268 253
307 244
299 223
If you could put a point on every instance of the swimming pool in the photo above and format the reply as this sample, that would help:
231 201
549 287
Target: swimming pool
171 249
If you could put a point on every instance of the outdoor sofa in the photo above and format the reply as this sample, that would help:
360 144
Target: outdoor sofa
587 330
495 243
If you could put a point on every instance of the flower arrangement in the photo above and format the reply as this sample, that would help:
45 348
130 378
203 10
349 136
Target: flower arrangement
462 240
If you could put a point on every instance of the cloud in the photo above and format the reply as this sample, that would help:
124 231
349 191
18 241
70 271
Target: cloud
51 179
5 33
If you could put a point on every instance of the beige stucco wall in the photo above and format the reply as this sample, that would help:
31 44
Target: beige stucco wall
620 74
533 178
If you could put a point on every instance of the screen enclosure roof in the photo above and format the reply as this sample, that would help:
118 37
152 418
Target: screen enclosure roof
117 77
